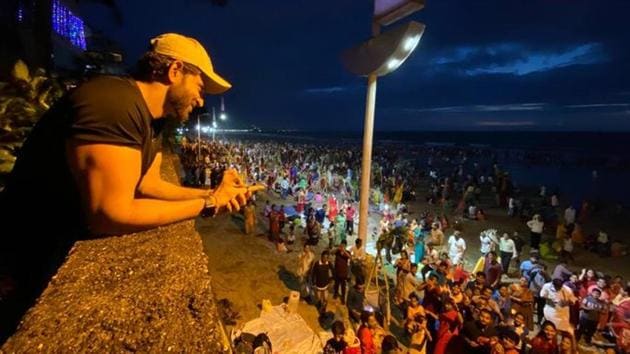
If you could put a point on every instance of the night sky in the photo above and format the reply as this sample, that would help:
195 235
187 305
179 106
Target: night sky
481 65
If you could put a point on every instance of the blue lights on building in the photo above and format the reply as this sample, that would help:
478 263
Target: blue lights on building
67 25
20 13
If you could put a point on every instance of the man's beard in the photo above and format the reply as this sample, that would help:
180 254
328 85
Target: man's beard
178 106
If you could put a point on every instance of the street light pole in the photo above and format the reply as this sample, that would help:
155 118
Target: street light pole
214 123
366 161
378 56
198 137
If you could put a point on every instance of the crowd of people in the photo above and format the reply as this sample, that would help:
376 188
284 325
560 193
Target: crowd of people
501 304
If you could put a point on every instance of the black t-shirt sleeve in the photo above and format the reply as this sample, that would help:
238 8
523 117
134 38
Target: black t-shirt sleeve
110 114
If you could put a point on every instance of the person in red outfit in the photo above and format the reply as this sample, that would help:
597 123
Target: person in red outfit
368 323
450 323
546 341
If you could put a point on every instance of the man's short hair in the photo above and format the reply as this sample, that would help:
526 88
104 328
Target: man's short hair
153 66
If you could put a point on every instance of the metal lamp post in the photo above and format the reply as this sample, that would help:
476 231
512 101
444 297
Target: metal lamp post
222 116
379 56
198 137
214 123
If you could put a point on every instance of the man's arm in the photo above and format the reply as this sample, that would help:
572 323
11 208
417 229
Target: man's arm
107 176
152 186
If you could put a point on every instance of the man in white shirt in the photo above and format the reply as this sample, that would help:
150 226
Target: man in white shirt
558 299
487 243
358 259
507 247
456 248
511 206
284 187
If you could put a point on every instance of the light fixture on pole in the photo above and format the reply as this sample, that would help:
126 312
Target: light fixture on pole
222 115
385 52
379 56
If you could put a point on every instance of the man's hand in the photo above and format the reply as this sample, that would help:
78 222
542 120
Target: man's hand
232 193
483 340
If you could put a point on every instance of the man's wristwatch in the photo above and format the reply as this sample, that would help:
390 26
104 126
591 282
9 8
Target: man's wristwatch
210 208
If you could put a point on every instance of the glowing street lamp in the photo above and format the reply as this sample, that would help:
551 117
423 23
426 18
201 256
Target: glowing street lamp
379 56
383 53
222 115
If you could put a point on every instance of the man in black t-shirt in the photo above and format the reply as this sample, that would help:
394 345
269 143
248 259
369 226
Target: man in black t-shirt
91 165
321 275
480 335
341 271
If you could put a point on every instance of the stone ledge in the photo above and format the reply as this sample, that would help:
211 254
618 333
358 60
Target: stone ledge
146 292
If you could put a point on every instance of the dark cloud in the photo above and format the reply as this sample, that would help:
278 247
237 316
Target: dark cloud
488 58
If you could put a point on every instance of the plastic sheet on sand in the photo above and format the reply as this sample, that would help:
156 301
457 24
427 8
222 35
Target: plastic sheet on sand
288 332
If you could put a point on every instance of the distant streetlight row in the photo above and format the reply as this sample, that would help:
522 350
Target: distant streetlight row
205 129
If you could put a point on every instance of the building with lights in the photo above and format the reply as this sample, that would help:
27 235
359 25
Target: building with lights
49 34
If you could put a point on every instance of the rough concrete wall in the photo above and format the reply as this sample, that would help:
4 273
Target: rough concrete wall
144 292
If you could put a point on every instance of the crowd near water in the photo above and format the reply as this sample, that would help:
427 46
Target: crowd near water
524 294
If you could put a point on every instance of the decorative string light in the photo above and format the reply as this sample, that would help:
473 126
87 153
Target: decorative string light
67 25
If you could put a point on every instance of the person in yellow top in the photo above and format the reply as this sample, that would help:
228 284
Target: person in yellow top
561 232
398 194
414 309
249 212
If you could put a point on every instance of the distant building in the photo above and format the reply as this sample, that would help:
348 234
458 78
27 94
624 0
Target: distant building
52 35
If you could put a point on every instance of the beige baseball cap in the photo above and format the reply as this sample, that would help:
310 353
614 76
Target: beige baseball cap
189 50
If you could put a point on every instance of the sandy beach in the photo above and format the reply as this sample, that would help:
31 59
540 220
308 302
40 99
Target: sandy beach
247 269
